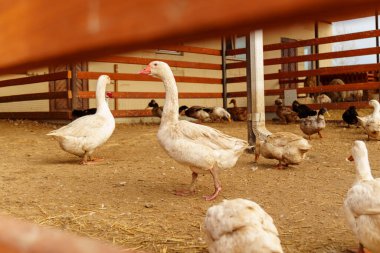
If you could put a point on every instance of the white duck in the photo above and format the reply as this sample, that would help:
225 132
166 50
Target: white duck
371 123
362 203
202 148
82 136
314 124
240 226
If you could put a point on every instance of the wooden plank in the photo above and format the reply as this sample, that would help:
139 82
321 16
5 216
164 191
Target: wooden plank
324 40
324 71
34 96
145 61
191 49
236 65
329 106
318 89
236 51
99 28
150 95
36 116
132 113
36 79
323 56
138 77
238 79
21 237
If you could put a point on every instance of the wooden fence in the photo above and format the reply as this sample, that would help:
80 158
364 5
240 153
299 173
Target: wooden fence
358 76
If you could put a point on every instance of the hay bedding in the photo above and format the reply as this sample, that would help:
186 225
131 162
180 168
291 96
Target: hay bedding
128 200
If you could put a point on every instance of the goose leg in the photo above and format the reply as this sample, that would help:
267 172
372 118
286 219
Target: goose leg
279 165
217 184
320 135
191 189
88 159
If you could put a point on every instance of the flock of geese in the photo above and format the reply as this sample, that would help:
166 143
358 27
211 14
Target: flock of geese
238 225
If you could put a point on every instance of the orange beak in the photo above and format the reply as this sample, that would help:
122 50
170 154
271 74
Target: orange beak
145 71
350 158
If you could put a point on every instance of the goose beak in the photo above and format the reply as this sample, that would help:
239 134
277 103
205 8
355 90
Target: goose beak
350 158
328 114
109 94
145 71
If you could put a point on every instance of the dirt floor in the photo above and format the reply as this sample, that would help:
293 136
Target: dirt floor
128 200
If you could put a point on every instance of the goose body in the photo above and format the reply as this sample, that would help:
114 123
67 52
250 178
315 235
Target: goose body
314 124
196 112
202 148
350 116
287 148
82 136
240 226
362 202
371 123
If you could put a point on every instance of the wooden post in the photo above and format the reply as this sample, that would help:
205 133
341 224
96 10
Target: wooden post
116 89
316 35
224 73
255 87
73 86
377 38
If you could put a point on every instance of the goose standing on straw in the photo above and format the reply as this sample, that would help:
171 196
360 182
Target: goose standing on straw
200 147
82 136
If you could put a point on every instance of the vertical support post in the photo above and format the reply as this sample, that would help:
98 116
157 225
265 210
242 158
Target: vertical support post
116 88
255 87
224 72
377 38
316 36
74 87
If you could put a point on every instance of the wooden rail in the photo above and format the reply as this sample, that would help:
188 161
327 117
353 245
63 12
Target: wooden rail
35 96
36 116
150 95
36 79
144 61
137 77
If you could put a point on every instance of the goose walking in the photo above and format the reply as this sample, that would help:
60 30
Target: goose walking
82 136
202 148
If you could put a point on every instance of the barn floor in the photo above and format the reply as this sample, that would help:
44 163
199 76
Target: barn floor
128 200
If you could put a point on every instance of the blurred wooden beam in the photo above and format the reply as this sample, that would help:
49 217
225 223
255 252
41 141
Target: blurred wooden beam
38 33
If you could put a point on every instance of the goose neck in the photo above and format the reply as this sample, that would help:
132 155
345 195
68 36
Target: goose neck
170 111
363 169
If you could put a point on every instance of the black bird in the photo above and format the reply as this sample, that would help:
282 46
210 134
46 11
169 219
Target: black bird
156 109
303 111
80 113
350 116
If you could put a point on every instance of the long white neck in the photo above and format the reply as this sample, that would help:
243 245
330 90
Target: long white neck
363 170
101 103
376 109
170 112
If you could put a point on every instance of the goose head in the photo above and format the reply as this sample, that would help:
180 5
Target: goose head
323 111
152 104
156 69
233 101
359 155
374 103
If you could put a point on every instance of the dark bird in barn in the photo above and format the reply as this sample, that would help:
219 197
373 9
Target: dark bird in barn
76 113
156 109
350 116
302 110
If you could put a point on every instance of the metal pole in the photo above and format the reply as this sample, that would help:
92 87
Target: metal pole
73 86
251 135
316 35
224 73
377 38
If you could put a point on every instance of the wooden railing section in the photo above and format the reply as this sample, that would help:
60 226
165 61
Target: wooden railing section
298 76
36 96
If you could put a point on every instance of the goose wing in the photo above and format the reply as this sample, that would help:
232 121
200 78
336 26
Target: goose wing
209 136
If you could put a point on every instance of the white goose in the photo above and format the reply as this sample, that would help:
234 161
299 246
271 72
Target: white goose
240 226
200 147
82 136
371 123
362 203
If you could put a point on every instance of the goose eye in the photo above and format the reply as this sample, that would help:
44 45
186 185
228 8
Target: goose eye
155 64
